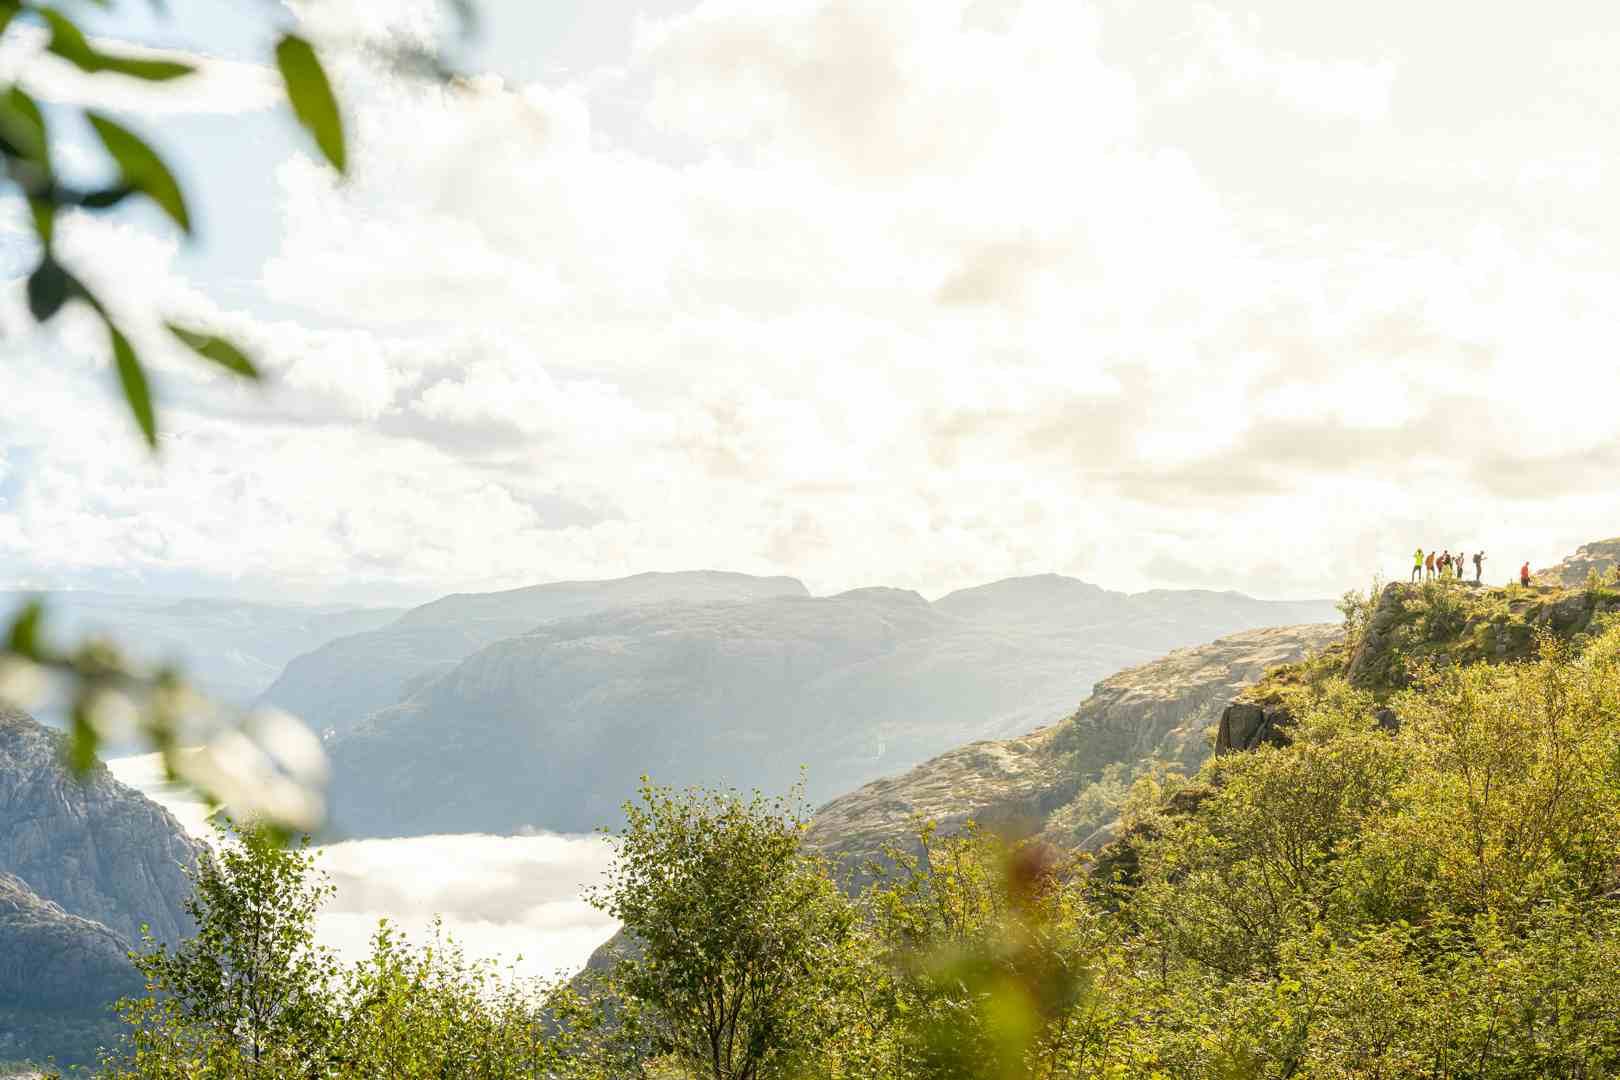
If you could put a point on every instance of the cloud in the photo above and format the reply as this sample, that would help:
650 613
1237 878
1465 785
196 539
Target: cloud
217 86
924 293
512 899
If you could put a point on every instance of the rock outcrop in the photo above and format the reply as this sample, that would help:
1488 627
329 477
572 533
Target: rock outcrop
1601 555
1246 726
1025 786
50 959
89 844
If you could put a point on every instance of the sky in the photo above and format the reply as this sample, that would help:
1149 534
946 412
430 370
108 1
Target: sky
926 293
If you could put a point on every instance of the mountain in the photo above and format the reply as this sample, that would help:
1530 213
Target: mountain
1601 556
97 848
1051 781
339 684
84 863
231 649
551 729
58 974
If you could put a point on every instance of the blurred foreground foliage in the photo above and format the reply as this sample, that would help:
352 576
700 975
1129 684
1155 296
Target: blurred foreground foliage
264 765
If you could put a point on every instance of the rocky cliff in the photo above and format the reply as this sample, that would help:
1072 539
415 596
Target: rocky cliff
1601 556
52 960
89 844
1038 784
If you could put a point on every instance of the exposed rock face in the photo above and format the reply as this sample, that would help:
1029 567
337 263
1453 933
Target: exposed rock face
1022 786
1246 726
1602 556
91 845
553 728
50 959
1373 652
344 681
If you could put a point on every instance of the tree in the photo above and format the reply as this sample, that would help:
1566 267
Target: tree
732 927
251 994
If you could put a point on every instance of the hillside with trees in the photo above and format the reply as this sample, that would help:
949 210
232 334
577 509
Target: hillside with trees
1409 870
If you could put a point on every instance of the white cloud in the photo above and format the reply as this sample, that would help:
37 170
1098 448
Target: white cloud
512 899
216 86
921 293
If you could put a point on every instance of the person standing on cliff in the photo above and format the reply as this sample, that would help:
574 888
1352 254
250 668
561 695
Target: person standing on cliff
1479 565
1524 575
1417 565
1428 567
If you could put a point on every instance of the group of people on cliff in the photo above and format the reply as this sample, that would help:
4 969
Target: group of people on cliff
1445 565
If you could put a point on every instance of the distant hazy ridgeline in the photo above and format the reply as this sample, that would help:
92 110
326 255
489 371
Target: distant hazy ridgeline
551 726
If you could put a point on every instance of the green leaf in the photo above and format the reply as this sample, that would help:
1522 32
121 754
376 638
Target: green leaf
69 42
215 348
82 737
49 287
133 379
24 636
103 198
313 101
142 168
22 127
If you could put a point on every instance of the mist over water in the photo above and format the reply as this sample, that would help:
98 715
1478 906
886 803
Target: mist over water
513 899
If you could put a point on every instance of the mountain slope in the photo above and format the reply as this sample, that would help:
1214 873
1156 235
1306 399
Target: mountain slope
59 973
1601 556
91 845
339 684
1039 783
552 729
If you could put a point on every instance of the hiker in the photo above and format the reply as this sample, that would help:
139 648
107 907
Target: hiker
1417 565
1428 567
1479 565
1524 575
1445 564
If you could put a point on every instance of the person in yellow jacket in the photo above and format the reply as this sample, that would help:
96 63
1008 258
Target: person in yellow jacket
1417 565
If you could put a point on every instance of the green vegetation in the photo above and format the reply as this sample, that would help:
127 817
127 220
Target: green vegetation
1441 900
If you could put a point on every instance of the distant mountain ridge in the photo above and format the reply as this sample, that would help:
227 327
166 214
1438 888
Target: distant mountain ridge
550 728
344 681
231 649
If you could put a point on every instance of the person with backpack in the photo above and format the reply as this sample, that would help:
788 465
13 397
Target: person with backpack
1443 564
1417 565
1479 566
1524 575
1428 567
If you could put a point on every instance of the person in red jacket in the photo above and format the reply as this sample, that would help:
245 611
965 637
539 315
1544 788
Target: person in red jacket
1524 575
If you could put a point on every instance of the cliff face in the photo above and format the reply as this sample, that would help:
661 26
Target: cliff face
1033 785
52 960
90 845
1600 555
